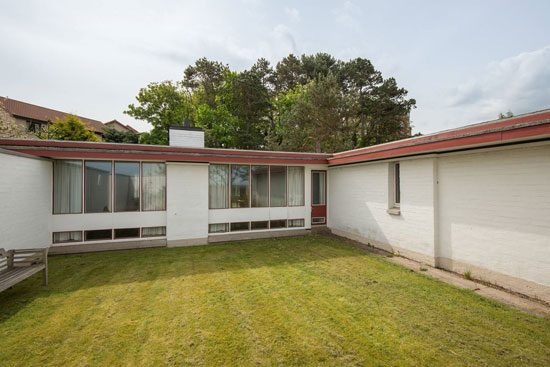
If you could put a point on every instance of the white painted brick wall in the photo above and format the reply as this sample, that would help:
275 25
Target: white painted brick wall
187 201
359 201
186 138
25 202
495 211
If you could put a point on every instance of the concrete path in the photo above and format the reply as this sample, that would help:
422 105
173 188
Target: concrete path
524 303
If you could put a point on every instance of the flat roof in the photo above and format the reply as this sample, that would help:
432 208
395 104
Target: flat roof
522 128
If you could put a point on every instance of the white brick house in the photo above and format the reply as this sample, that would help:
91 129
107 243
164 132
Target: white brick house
471 199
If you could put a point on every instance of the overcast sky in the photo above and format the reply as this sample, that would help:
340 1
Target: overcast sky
463 61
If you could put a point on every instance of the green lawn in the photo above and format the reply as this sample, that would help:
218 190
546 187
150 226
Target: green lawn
312 301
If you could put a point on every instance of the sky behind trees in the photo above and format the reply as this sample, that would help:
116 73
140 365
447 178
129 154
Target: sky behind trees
463 62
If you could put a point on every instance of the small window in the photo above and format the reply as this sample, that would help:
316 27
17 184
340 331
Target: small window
259 225
394 195
318 220
153 231
318 189
240 226
292 223
62 237
218 228
101 234
279 223
126 233
397 185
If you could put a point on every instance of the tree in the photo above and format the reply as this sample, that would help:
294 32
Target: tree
318 114
505 115
9 128
69 128
163 105
111 135
280 108
206 75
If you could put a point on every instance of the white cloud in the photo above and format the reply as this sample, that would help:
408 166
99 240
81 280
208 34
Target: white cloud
520 83
293 13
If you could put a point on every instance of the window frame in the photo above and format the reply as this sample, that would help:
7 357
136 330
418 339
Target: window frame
102 239
152 236
140 192
81 187
303 187
325 187
126 238
111 183
70 241
141 187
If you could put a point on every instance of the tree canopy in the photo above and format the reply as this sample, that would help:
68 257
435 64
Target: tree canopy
111 135
69 128
308 103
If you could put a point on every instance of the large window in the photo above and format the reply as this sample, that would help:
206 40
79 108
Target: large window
240 186
255 186
67 187
278 186
260 186
126 186
218 195
98 186
296 186
153 186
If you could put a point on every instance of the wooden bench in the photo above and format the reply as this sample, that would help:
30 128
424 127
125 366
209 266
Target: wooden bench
18 265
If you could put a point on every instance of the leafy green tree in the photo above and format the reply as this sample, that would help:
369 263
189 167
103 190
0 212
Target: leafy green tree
163 105
308 103
505 115
205 78
69 128
111 135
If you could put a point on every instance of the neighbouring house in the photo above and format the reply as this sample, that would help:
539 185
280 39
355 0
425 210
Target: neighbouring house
119 126
474 199
36 118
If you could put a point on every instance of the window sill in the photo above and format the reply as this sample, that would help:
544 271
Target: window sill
394 211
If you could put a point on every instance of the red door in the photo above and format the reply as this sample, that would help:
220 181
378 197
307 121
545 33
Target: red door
318 198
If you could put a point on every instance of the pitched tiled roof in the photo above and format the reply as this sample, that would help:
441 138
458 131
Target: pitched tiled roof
127 127
31 111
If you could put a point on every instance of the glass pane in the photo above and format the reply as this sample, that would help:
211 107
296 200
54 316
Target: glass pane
278 186
241 226
280 223
218 192
318 188
218 228
67 187
295 223
98 186
101 234
153 231
60 237
260 186
126 186
153 186
126 232
318 220
259 225
240 186
397 184
296 186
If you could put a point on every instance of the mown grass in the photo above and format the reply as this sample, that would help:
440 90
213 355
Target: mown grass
312 301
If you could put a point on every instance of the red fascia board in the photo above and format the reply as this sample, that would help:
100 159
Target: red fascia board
449 134
462 142
163 157
157 148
